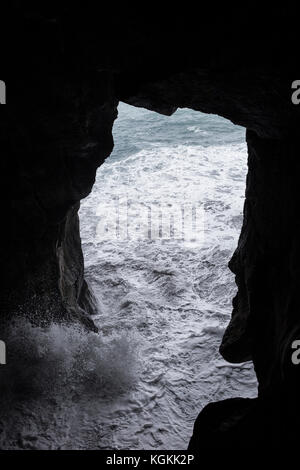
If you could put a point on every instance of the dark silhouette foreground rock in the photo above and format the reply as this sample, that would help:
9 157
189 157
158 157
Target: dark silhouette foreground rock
65 71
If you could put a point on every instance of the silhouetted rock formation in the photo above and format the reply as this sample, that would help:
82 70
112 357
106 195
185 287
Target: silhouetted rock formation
65 72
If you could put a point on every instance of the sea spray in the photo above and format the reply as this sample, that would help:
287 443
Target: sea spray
49 360
56 375
174 298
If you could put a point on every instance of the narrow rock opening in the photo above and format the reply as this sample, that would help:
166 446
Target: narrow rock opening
158 230
64 79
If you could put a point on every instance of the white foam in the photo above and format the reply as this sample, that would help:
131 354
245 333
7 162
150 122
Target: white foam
164 303
175 294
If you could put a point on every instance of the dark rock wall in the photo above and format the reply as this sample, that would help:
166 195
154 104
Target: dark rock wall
266 260
50 153
265 318
66 68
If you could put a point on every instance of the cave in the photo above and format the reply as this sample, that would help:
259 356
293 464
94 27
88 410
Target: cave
65 72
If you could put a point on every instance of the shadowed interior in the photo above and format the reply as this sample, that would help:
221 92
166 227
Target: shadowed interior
64 81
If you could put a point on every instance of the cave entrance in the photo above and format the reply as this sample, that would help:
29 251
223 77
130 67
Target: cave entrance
158 231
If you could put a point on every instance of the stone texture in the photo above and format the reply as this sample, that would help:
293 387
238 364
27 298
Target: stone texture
65 70
50 162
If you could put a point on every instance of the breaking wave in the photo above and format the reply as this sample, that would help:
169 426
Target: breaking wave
57 370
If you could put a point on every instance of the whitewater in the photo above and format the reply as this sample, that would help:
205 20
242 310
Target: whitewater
158 230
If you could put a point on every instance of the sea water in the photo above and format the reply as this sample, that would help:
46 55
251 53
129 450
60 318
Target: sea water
158 230
171 292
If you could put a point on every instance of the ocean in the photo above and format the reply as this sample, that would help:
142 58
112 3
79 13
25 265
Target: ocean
161 279
157 230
